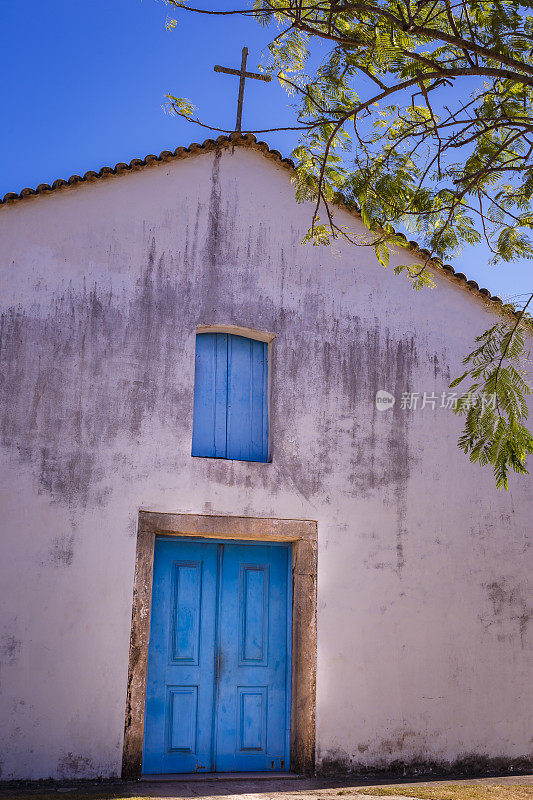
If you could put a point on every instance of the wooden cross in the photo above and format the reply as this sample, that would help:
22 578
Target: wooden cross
242 75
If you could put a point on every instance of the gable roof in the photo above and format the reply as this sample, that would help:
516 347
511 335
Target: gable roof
233 140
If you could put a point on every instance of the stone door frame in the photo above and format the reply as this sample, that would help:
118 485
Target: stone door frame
302 534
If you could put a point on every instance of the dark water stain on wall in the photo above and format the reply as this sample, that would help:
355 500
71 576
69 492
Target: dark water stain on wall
339 364
511 611
62 551
401 455
98 365
91 366
219 245
10 648
95 365
341 763
71 765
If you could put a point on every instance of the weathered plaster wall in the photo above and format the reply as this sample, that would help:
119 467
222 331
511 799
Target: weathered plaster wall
424 618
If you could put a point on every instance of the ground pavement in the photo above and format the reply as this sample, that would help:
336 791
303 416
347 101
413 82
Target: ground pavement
267 787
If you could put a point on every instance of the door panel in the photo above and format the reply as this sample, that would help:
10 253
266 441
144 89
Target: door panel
253 613
253 669
181 658
218 664
183 718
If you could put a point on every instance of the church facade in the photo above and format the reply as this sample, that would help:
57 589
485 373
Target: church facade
238 534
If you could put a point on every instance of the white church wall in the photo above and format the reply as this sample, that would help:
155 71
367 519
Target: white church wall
424 611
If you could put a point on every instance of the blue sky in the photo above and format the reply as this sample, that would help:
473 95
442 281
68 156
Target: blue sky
83 86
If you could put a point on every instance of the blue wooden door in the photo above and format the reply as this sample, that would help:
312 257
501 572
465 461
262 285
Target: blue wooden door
181 664
253 663
218 684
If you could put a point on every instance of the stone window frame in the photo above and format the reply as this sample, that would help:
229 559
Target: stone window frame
238 330
302 535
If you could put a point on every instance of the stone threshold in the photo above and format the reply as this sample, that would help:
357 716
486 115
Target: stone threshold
188 777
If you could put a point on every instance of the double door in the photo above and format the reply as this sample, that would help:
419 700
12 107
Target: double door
217 695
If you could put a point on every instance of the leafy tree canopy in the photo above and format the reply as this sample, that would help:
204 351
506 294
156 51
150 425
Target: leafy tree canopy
420 113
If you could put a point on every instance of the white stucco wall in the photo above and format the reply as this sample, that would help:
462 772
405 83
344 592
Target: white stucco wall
424 631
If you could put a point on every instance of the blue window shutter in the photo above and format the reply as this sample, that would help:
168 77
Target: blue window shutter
259 408
210 395
247 399
230 417
221 394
